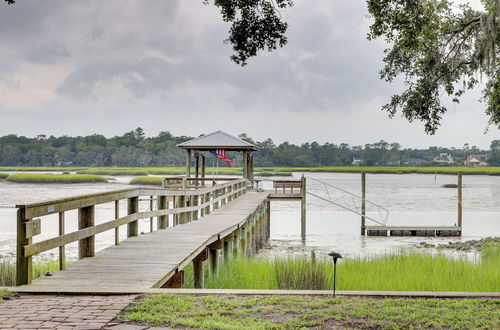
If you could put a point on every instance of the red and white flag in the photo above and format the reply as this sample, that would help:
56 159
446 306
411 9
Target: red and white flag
221 154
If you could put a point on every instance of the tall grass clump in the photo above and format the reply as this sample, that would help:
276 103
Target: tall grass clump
296 273
395 272
54 178
3 176
8 270
114 171
147 180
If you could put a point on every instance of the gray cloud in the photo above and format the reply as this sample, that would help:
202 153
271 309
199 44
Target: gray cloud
130 62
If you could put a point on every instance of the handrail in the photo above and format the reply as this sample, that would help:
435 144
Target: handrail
66 204
188 204
383 218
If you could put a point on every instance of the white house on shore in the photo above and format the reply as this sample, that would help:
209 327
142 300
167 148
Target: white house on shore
444 158
476 160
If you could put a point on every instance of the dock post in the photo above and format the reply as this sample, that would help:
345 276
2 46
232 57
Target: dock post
243 242
23 264
162 220
198 270
363 203
213 250
303 208
236 239
268 219
459 220
86 247
227 250
188 163
132 207
195 203
117 229
62 249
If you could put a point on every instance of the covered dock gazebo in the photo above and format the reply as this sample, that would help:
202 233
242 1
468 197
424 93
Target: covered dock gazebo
213 142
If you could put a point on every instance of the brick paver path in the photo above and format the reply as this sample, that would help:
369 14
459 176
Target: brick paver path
28 311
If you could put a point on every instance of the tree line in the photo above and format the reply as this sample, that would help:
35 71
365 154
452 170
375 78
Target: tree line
135 149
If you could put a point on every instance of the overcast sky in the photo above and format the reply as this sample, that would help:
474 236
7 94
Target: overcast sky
107 67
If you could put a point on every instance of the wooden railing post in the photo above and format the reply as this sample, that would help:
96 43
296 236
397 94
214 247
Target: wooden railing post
62 254
195 203
23 264
117 229
162 220
132 207
151 218
86 246
207 200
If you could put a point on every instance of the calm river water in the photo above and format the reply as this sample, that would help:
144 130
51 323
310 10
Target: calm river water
412 199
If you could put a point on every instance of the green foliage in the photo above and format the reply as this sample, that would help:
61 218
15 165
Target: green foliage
54 178
147 180
134 154
394 272
438 48
267 173
256 25
3 175
300 312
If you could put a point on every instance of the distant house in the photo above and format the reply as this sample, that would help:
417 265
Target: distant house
357 161
444 158
414 161
476 160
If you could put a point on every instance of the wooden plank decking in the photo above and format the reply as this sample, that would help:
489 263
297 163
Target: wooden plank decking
149 260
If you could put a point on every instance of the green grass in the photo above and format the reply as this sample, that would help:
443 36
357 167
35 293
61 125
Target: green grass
147 180
8 270
300 312
40 168
266 173
3 175
396 272
54 178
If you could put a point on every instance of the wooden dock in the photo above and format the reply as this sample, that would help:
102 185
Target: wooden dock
203 223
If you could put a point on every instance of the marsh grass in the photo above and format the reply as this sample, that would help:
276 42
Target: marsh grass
303 312
394 272
267 173
147 180
54 178
3 175
8 270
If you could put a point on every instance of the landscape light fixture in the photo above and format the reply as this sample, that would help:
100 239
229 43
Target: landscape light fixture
335 256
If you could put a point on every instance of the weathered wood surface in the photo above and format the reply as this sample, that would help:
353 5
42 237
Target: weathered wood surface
149 260
413 228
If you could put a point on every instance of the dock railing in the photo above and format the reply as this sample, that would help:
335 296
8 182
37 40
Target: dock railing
187 205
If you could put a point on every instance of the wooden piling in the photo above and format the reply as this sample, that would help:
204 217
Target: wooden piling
23 264
133 207
303 208
188 163
268 219
198 270
363 203
459 194
214 261
86 246
62 252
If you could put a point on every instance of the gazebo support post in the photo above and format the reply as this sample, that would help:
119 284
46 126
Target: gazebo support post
245 164
203 166
188 163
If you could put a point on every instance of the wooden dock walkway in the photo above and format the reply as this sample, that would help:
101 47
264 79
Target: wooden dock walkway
150 260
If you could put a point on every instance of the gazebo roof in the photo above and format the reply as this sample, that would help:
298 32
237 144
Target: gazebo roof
218 140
